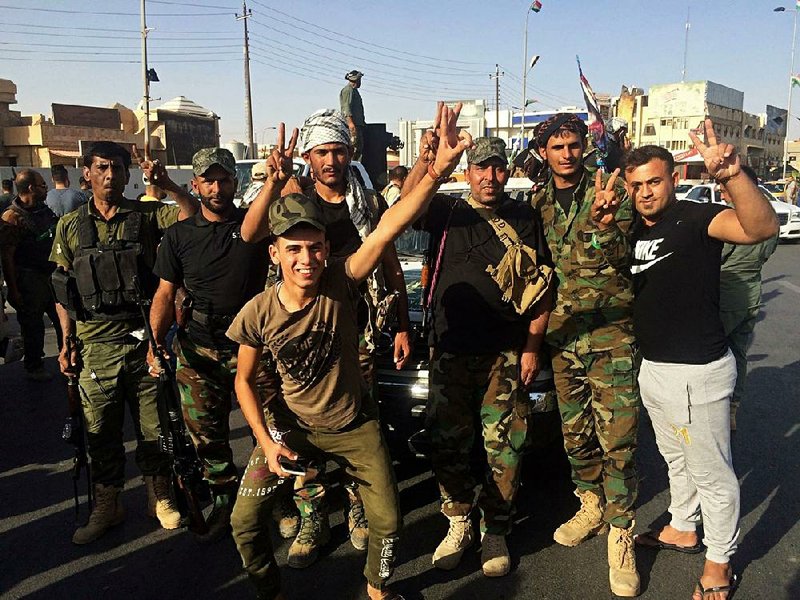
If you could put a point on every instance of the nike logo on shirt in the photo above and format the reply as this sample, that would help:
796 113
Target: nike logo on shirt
639 268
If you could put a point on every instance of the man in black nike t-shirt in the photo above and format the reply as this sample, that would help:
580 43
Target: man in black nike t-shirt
688 373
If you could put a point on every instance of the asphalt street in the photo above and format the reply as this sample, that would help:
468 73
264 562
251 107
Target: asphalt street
139 560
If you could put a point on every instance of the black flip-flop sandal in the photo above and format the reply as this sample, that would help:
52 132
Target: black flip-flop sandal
650 540
733 583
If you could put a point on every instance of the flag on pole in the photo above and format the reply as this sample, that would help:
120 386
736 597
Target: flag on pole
596 126
796 6
796 78
536 6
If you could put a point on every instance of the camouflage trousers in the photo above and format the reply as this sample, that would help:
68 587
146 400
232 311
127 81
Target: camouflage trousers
598 398
361 450
205 381
115 374
471 396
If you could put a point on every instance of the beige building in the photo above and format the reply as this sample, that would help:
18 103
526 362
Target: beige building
177 129
667 114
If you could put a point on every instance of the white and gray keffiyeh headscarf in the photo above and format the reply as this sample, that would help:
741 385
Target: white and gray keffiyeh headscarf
328 126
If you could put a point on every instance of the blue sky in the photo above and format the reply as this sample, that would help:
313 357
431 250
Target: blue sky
412 52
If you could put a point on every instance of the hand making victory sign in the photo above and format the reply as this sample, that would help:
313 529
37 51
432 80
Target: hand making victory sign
451 142
722 161
280 169
430 139
606 202
279 163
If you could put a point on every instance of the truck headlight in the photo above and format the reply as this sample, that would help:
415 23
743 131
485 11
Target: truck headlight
795 216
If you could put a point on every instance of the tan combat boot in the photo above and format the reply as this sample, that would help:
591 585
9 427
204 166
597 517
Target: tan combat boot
107 512
588 521
622 573
357 523
495 559
459 538
285 514
160 503
315 532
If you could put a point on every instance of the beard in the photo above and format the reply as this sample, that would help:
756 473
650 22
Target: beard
218 205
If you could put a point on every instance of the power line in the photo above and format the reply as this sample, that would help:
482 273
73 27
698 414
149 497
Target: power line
136 62
388 85
318 64
369 44
72 46
114 14
193 4
205 34
360 58
123 53
369 49
315 75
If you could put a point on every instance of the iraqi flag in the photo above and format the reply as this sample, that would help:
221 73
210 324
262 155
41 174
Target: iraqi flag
536 6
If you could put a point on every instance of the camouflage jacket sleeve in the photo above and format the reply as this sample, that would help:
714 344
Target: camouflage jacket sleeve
615 242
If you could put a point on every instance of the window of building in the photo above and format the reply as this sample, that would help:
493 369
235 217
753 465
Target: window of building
649 129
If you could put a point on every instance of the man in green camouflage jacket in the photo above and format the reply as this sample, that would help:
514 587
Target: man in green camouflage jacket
594 355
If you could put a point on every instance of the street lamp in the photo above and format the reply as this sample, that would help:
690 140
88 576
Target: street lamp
789 103
525 68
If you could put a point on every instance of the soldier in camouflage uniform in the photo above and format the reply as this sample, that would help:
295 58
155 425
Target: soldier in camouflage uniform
100 249
594 355
485 351
221 272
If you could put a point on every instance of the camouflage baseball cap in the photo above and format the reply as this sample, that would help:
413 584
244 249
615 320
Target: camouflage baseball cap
204 159
292 210
486 148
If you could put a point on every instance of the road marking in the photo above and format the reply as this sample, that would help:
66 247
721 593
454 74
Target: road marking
791 286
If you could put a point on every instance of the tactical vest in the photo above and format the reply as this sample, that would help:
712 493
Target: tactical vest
108 274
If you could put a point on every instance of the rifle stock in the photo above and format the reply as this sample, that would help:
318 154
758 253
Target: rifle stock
186 467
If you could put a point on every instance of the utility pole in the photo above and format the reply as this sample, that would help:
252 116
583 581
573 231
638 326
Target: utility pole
497 75
789 103
686 44
248 105
146 84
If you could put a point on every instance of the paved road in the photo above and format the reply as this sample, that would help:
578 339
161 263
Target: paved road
139 561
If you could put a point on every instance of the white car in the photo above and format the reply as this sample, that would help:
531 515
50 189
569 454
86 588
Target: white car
682 189
788 215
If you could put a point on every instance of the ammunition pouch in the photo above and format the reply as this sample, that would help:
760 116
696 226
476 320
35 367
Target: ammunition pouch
65 292
105 273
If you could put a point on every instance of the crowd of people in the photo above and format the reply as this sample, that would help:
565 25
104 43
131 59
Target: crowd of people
281 303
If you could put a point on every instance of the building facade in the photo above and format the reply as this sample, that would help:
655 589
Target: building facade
667 114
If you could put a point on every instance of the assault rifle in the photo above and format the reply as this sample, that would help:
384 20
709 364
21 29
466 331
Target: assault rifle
173 440
74 433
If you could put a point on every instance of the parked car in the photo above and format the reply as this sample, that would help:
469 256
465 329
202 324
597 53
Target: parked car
682 189
777 189
403 394
788 215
